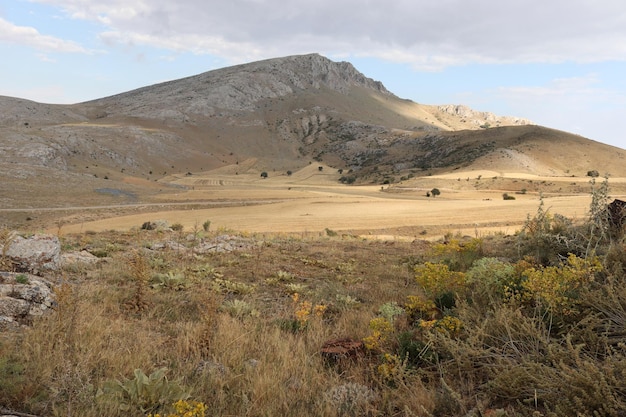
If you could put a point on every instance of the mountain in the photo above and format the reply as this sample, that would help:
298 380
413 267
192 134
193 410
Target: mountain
278 114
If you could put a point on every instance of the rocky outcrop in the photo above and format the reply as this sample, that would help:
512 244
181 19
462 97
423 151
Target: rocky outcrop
218 244
238 88
481 118
35 254
75 258
23 297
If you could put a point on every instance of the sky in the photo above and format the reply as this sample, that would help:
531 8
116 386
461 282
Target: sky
559 63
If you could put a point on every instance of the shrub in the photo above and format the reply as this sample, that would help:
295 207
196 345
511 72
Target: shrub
206 225
558 287
263 174
177 227
435 192
390 311
488 279
507 196
437 279
144 393
458 254
183 408
21 279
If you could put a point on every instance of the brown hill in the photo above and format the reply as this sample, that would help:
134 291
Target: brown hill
279 114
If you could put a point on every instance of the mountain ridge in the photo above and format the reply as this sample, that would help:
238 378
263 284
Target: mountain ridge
283 114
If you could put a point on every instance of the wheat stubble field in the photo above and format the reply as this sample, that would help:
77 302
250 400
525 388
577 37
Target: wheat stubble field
312 201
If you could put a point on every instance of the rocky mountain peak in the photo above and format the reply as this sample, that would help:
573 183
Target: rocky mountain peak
238 88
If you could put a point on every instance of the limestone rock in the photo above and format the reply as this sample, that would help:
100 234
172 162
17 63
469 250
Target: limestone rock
225 243
83 257
23 297
35 254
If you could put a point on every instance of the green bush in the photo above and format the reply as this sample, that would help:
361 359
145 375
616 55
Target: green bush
21 279
144 393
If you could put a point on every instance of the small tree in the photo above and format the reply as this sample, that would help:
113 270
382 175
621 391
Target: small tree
289 173
320 168
435 192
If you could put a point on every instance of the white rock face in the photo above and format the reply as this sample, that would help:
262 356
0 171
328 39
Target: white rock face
479 118
35 254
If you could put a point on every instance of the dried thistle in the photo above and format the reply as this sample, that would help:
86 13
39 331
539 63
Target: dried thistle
140 274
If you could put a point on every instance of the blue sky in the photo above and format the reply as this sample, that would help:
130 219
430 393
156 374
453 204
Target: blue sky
561 64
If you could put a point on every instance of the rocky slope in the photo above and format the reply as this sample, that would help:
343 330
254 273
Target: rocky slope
282 113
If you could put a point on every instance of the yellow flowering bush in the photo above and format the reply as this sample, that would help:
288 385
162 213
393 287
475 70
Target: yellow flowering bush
303 310
449 325
557 286
381 330
184 408
420 307
392 367
437 279
458 254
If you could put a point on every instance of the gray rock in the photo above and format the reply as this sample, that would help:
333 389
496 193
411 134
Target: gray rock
23 297
35 254
82 257
225 243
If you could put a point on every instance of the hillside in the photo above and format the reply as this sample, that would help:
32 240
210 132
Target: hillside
283 114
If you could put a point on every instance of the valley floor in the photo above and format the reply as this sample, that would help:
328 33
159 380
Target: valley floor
314 202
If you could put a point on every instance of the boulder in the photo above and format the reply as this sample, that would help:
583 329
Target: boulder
83 257
225 243
23 297
35 254
617 213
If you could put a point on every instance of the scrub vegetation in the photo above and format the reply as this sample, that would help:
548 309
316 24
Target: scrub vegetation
492 325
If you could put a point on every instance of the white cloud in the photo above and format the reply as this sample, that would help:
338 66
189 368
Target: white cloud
576 104
427 35
29 36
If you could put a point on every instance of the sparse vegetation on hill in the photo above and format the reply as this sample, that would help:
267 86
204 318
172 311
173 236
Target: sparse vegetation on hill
279 113
334 325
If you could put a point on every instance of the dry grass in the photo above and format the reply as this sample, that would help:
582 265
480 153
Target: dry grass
105 326
226 328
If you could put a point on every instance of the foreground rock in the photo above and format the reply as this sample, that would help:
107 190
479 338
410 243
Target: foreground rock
219 244
79 258
36 254
22 298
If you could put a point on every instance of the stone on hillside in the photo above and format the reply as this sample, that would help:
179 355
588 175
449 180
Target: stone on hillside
156 225
35 254
169 245
22 297
82 257
225 243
